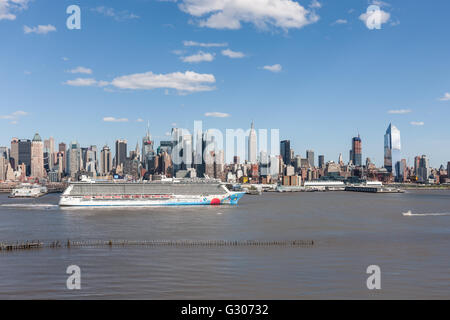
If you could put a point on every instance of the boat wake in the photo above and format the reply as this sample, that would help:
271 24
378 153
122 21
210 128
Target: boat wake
410 214
29 205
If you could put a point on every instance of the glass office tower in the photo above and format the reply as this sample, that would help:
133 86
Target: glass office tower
392 150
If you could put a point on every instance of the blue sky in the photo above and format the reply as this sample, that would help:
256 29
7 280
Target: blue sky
312 69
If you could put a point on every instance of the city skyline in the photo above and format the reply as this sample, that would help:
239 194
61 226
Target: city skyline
148 139
319 83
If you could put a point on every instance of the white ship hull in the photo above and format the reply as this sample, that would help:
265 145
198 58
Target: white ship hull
102 196
232 198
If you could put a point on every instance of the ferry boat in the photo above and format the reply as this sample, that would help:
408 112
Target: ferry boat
171 192
28 190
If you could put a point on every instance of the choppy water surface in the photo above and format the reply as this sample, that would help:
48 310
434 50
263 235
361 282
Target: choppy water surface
351 231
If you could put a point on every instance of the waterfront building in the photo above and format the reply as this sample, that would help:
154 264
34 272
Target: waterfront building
252 144
105 160
37 157
121 152
54 176
285 150
341 160
356 152
392 150
310 157
14 153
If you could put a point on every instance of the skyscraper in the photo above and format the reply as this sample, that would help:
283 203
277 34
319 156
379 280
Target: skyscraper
121 152
37 157
448 169
62 150
424 169
392 150
148 154
285 150
73 159
25 155
14 153
49 148
321 161
252 145
310 157
105 160
356 152
3 167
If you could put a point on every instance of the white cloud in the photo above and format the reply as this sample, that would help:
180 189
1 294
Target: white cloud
86 82
116 15
65 58
199 57
80 70
8 8
373 19
340 21
446 97
19 113
186 82
112 119
140 120
40 29
14 117
233 54
217 114
400 111
202 44
273 68
178 52
229 14
315 4
417 123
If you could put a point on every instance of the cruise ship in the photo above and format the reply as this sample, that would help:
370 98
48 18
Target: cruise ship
147 194
28 190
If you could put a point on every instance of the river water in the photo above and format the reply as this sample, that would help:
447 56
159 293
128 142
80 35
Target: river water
351 231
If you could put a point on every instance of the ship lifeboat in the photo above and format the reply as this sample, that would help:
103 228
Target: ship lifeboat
117 197
136 196
126 197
